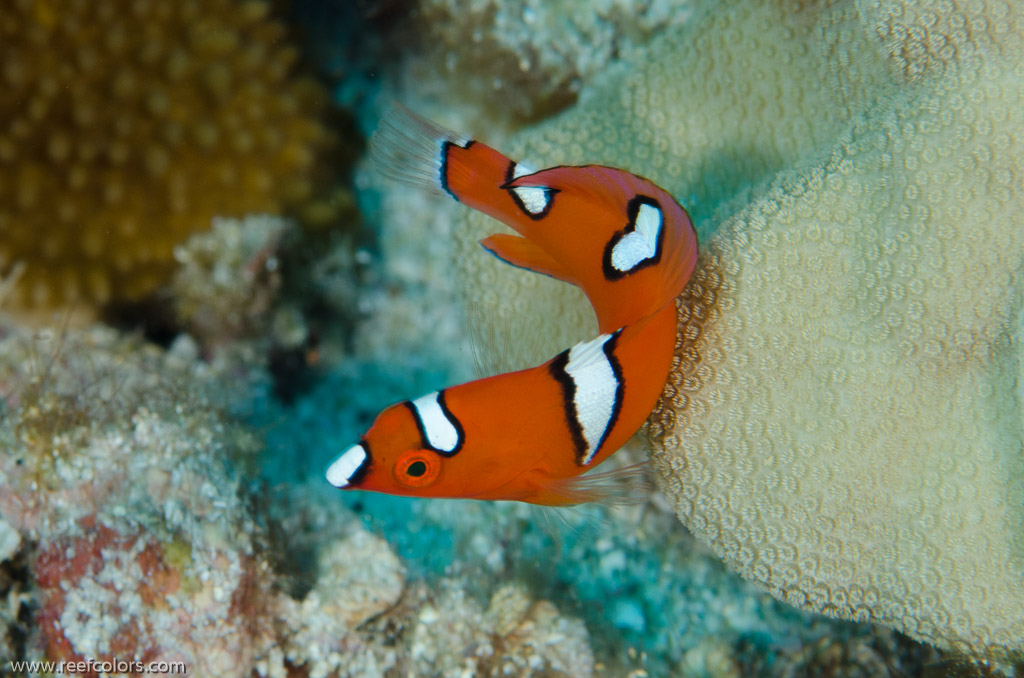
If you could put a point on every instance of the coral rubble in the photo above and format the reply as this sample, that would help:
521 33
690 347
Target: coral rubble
17 596
129 125
454 635
146 545
141 533
228 278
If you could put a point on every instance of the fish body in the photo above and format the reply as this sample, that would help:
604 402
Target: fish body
532 434
522 435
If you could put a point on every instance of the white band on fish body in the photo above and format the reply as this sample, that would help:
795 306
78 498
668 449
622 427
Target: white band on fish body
596 389
592 389
440 429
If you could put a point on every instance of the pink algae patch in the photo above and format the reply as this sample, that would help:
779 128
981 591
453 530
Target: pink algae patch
64 567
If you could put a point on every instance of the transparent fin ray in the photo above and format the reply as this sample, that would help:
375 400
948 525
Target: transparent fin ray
491 339
626 486
406 148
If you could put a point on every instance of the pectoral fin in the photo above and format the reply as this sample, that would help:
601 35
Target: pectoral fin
520 252
625 486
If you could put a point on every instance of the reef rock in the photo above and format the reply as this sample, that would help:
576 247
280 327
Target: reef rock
124 500
538 52
228 277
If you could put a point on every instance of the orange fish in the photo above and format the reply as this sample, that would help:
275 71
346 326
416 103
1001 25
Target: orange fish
531 435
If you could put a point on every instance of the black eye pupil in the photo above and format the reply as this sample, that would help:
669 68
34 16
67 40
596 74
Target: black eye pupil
416 469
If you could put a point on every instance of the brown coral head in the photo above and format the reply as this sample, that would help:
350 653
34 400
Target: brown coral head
128 126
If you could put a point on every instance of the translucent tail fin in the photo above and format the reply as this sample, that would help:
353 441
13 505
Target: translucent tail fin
409 149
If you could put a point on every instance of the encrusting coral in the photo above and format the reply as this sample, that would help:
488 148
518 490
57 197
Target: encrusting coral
844 424
871 468
700 131
128 125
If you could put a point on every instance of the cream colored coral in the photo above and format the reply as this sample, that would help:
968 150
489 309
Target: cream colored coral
923 39
844 424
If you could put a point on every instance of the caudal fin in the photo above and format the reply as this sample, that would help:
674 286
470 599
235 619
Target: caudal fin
410 149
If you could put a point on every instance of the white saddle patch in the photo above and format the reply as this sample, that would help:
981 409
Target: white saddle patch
596 391
640 244
535 199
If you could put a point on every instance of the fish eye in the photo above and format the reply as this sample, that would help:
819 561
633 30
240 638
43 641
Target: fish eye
417 468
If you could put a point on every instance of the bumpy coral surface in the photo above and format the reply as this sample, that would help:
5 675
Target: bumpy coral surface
695 114
128 125
844 423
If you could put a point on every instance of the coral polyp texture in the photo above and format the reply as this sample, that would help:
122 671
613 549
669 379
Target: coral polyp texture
128 125
844 424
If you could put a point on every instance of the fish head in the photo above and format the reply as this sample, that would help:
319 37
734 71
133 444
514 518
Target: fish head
390 458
